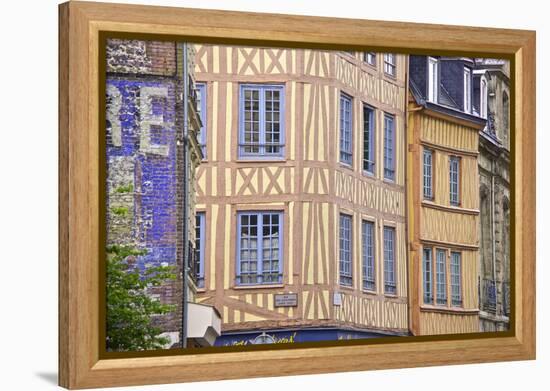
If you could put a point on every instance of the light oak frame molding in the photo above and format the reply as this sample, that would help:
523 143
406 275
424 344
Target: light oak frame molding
80 365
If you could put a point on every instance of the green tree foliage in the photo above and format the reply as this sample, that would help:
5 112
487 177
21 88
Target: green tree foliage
129 308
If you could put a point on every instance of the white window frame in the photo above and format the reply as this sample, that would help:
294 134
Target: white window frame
467 90
483 92
433 79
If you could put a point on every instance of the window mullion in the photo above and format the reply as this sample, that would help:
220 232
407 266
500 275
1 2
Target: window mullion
262 147
259 259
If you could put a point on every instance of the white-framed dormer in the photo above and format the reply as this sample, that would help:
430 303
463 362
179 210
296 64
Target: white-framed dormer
467 90
433 79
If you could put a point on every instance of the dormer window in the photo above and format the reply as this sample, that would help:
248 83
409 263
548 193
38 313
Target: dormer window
390 64
433 72
467 90
483 98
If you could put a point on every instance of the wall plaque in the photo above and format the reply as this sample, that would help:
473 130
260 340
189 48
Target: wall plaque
286 300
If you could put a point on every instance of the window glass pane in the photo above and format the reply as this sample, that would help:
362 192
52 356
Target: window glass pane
345 250
427 276
201 111
259 255
456 279
345 130
441 278
389 153
261 126
368 256
198 265
390 286
368 139
427 178
454 175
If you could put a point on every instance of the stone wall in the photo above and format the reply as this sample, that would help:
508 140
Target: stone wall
494 171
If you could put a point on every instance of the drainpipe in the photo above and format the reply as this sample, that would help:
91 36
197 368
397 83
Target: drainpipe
185 266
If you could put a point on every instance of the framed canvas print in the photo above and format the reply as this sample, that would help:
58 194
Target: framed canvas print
296 194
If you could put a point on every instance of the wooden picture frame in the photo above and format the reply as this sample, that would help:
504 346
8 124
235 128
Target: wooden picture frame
80 29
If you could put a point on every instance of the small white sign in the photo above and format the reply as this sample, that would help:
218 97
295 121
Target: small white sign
337 299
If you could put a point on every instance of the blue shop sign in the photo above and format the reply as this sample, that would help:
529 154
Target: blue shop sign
292 336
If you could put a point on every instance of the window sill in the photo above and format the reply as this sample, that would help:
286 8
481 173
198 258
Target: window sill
259 286
368 64
449 208
241 159
369 292
448 310
346 166
346 287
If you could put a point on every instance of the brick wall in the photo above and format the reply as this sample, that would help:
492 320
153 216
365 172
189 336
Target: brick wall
142 156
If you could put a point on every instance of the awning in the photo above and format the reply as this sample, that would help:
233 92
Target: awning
204 324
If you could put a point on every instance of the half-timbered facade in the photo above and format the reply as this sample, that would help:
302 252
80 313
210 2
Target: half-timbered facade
301 231
443 198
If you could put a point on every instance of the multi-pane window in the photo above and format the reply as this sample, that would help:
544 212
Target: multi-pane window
368 256
390 286
389 147
368 139
390 64
456 289
454 180
427 276
441 277
433 81
259 248
369 58
201 108
261 121
345 129
467 90
345 250
428 174
198 267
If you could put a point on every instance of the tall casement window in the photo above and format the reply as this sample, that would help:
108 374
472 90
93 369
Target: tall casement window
483 98
345 250
441 277
368 139
433 79
198 267
261 132
390 286
456 279
259 248
505 115
368 256
390 64
428 174
201 108
467 90
427 276
389 147
370 58
345 129
454 180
